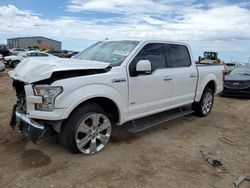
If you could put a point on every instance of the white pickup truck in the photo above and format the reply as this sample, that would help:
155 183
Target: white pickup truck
108 84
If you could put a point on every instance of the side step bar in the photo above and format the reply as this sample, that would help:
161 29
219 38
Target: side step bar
143 124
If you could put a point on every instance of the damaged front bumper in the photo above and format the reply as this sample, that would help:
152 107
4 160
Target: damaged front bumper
30 128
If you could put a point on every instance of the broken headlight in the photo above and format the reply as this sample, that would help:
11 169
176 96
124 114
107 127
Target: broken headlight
49 93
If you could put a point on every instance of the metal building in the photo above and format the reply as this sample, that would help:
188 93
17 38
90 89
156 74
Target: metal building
42 43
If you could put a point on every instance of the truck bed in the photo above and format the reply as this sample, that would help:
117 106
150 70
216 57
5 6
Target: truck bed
209 72
207 64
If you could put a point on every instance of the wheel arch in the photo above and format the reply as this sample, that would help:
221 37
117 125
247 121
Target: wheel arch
109 106
208 82
212 85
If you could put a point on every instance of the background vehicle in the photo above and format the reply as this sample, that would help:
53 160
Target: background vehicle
32 49
111 83
1 58
16 51
70 54
237 82
13 60
2 67
210 58
55 53
4 51
229 67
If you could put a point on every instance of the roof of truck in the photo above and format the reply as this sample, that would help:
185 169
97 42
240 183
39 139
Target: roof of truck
147 39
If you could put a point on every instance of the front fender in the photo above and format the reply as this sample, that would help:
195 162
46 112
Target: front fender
72 99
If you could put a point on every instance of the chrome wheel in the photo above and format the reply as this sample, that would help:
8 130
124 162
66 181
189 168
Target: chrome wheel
207 103
93 133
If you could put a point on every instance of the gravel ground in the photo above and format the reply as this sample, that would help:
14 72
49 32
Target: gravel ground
165 156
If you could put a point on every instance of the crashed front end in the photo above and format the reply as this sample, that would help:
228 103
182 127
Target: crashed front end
32 129
35 110
37 91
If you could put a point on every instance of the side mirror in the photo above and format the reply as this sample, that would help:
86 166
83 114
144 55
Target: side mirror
143 66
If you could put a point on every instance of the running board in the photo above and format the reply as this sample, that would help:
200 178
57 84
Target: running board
142 124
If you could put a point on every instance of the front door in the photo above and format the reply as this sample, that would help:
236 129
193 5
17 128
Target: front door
150 93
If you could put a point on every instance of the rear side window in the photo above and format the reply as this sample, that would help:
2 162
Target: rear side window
42 54
177 55
154 53
32 54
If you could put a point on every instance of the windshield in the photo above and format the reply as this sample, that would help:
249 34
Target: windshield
241 70
113 52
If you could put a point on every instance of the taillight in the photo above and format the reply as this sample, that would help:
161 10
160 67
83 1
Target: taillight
223 75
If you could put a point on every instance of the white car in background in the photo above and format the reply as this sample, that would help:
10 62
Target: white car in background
2 67
16 51
13 60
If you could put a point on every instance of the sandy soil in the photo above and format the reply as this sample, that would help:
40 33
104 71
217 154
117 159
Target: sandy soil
166 156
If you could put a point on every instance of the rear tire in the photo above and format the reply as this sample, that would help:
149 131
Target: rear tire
87 130
204 106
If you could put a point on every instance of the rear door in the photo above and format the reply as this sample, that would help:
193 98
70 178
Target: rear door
150 93
185 73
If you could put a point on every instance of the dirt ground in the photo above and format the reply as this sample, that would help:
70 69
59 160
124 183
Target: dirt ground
165 156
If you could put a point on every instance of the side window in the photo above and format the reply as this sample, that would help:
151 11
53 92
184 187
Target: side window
32 54
152 52
177 55
42 55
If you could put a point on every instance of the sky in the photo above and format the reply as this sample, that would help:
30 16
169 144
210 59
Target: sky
222 26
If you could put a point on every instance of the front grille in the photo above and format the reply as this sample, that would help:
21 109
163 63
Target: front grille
237 84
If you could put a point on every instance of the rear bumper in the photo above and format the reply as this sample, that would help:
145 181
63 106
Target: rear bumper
28 127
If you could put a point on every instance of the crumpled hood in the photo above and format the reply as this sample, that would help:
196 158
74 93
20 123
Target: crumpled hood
33 70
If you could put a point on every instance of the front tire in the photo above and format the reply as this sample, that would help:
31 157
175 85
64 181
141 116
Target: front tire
204 106
87 130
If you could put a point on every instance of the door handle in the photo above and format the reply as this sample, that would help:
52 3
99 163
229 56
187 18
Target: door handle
167 78
192 75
